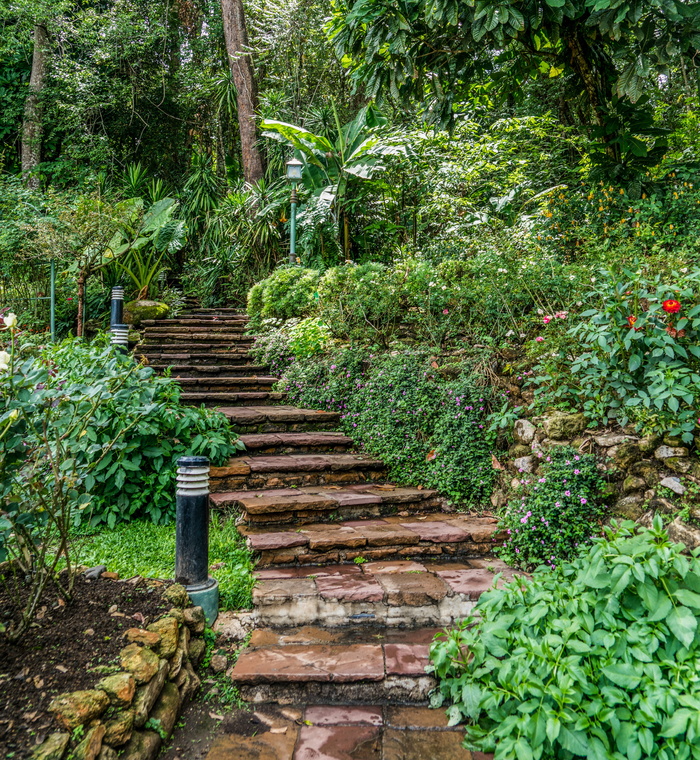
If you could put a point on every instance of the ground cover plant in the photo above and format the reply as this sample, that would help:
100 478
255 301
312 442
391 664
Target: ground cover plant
595 659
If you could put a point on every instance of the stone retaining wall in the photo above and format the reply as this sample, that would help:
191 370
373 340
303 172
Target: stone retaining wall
133 710
644 475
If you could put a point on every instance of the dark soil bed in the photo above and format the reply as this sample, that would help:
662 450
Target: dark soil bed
69 647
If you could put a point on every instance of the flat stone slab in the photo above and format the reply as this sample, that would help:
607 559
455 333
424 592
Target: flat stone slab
305 572
414 717
297 502
339 743
414 589
437 531
406 659
328 537
343 715
299 663
310 462
251 414
389 535
279 590
398 566
350 588
266 440
265 541
470 583
400 744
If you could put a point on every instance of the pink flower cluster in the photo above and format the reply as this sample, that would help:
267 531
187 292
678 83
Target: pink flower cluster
557 315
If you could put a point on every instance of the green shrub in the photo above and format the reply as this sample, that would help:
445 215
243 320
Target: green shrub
428 430
559 511
598 659
287 293
308 338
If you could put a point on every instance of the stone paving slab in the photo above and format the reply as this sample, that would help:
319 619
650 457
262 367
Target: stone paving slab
339 743
350 588
311 634
306 572
343 715
406 659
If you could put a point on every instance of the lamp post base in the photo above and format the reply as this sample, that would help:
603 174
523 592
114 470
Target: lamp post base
206 596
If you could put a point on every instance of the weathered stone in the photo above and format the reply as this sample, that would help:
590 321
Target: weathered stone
524 432
219 663
630 507
560 425
120 688
107 753
141 636
146 695
406 659
187 682
136 311
164 713
627 454
632 484
197 647
235 626
419 745
78 707
194 619
118 728
518 450
684 534
666 452
607 440
674 484
183 648
679 464
177 595
525 464
52 748
89 748
143 745
551 443
141 662
279 540
647 471
168 629
178 614
412 589
666 506
672 440
648 443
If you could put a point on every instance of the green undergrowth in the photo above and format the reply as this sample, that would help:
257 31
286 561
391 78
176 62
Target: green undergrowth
142 548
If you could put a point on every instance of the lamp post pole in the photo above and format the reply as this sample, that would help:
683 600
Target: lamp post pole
294 168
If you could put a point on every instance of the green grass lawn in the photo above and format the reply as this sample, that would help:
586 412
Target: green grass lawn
141 548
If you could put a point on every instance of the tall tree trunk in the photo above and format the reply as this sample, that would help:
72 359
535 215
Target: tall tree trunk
32 127
236 35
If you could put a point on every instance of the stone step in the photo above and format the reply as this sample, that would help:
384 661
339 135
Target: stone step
400 594
348 666
208 337
213 371
278 419
394 537
218 385
194 321
209 398
341 732
263 472
215 311
194 349
281 506
296 443
173 358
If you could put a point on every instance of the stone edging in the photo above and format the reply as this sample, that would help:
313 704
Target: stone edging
136 708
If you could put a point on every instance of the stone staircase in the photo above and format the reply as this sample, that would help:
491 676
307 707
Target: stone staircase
355 577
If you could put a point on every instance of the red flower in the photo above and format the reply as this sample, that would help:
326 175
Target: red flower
671 306
631 321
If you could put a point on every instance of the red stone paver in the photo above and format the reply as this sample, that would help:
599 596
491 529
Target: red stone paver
260 542
406 659
398 566
415 717
437 531
413 589
388 535
300 663
306 572
343 715
339 743
423 744
350 588
333 537
280 590
470 583
479 528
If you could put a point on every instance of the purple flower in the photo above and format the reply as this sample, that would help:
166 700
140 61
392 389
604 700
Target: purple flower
584 501
567 493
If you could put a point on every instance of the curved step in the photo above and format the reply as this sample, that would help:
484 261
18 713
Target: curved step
296 443
278 419
209 398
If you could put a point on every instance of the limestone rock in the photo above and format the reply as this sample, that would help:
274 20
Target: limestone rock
177 595
136 311
168 628
673 441
550 443
607 440
183 646
234 626
646 471
197 647
177 613
219 663
560 425
525 464
89 748
630 507
663 505
524 432
674 484
631 483
146 695
52 748
187 681
143 745
648 443
107 753
118 729
194 619
684 534
627 454
679 464
165 711
141 662
518 450
666 452
120 688
78 707
141 636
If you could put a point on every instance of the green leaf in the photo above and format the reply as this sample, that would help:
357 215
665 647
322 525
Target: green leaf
683 625
623 674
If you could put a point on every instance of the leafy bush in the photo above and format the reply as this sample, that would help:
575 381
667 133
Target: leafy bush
288 292
559 511
308 338
598 659
136 431
429 431
640 357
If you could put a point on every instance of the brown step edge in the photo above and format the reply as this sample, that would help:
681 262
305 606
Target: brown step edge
200 321
199 359
278 418
209 398
218 349
212 371
307 505
363 731
209 328
392 537
401 594
225 383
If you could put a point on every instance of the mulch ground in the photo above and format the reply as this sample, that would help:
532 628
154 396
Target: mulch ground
69 647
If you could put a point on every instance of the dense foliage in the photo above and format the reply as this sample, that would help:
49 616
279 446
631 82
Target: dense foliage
597 659
559 510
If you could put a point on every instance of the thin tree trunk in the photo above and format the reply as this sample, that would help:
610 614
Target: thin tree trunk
236 35
81 304
32 127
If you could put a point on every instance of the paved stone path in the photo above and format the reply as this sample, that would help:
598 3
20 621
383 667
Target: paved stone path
355 575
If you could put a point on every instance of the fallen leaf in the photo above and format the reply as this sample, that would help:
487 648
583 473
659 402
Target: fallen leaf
279 730
61 602
38 682
40 615
434 365
112 609
430 456
214 716
89 632
62 668
496 464
139 616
